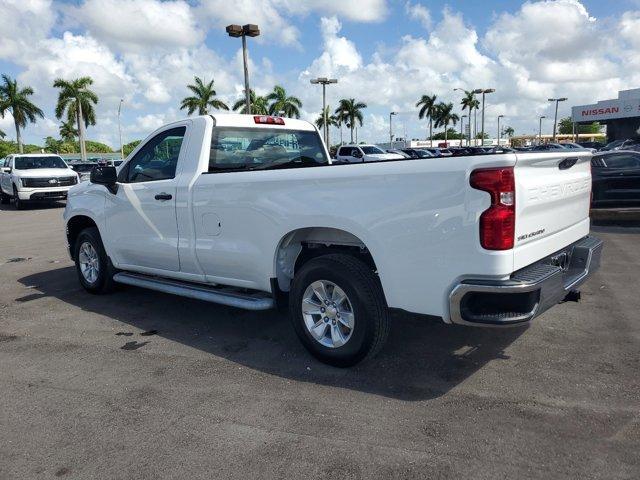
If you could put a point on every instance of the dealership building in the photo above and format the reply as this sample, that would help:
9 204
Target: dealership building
621 115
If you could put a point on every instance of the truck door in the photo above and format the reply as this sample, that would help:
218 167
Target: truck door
141 226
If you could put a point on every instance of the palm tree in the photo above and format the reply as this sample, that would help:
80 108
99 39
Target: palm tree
281 102
259 104
427 106
444 116
16 100
204 96
76 98
332 120
508 131
470 102
68 131
349 111
2 134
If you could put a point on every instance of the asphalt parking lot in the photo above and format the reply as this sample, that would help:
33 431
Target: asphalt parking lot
139 384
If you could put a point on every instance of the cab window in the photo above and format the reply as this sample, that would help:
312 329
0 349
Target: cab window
235 149
157 160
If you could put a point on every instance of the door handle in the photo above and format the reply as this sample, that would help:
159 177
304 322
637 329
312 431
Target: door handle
163 196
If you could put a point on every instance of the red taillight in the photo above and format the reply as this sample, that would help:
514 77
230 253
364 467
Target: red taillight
268 120
498 222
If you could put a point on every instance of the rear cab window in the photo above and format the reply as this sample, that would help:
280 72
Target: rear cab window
238 149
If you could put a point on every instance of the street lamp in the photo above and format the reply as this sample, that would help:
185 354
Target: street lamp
324 81
120 128
483 91
461 125
390 129
245 31
499 117
555 121
540 131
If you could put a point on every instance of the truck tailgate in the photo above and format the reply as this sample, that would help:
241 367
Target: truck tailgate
553 193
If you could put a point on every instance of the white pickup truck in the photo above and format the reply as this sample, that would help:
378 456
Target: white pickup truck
249 211
35 177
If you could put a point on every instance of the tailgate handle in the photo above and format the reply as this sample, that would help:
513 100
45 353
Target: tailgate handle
567 163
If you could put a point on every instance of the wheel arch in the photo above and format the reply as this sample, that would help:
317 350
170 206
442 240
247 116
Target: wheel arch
75 225
301 245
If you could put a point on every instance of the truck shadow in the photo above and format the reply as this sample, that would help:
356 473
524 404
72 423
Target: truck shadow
422 359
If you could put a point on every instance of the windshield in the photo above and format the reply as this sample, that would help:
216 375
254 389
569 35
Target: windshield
29 163
259 149
371 150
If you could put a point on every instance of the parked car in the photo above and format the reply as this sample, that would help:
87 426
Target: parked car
438 152
594 145
364 153
397 151
543 147
575 146
417 153
83 169
249 213
616 179
35 177
612 145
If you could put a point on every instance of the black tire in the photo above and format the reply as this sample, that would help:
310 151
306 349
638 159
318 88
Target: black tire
104 281
4 198
17 203
362 286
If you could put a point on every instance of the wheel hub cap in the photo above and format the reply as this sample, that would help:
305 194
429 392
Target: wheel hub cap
328 313
89 262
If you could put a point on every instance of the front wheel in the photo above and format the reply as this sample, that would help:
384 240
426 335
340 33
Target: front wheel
338 309
4 198
92 264
17 203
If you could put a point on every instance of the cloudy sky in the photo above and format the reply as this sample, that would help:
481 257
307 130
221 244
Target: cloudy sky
386 53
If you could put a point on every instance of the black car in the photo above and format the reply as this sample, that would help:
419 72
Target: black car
616 179
417 153
596 145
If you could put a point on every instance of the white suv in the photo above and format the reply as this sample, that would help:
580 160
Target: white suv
35 177
364 153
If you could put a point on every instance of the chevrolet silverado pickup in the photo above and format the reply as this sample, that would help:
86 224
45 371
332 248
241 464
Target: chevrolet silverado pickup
34 177
249 211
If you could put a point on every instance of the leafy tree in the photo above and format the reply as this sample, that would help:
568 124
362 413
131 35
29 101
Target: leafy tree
480 136
51 145
451 133
98 147
281 102
78 101
565 127
203 98
332 120
349 112
2 134
16 100
444 116
130 147
259 104
508 131
68 132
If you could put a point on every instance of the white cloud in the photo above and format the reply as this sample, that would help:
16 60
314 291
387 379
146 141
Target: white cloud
419 12
135 24
23 22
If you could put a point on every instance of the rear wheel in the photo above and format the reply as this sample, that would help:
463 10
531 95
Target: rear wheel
338 309
4 198
94 269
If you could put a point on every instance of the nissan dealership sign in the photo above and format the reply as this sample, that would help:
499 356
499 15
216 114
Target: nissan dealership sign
626 106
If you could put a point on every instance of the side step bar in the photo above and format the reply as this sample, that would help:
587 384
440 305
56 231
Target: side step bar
222 296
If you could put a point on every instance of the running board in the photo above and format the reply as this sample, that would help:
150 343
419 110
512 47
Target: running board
222 296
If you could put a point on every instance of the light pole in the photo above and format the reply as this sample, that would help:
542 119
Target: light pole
483 91
499 117
324 81
245 31
555 121
120 128
391 114
540 131
462 125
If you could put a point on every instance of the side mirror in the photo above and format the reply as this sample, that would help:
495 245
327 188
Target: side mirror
106 176
5 169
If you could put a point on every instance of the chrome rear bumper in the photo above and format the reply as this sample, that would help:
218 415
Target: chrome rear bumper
529 292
